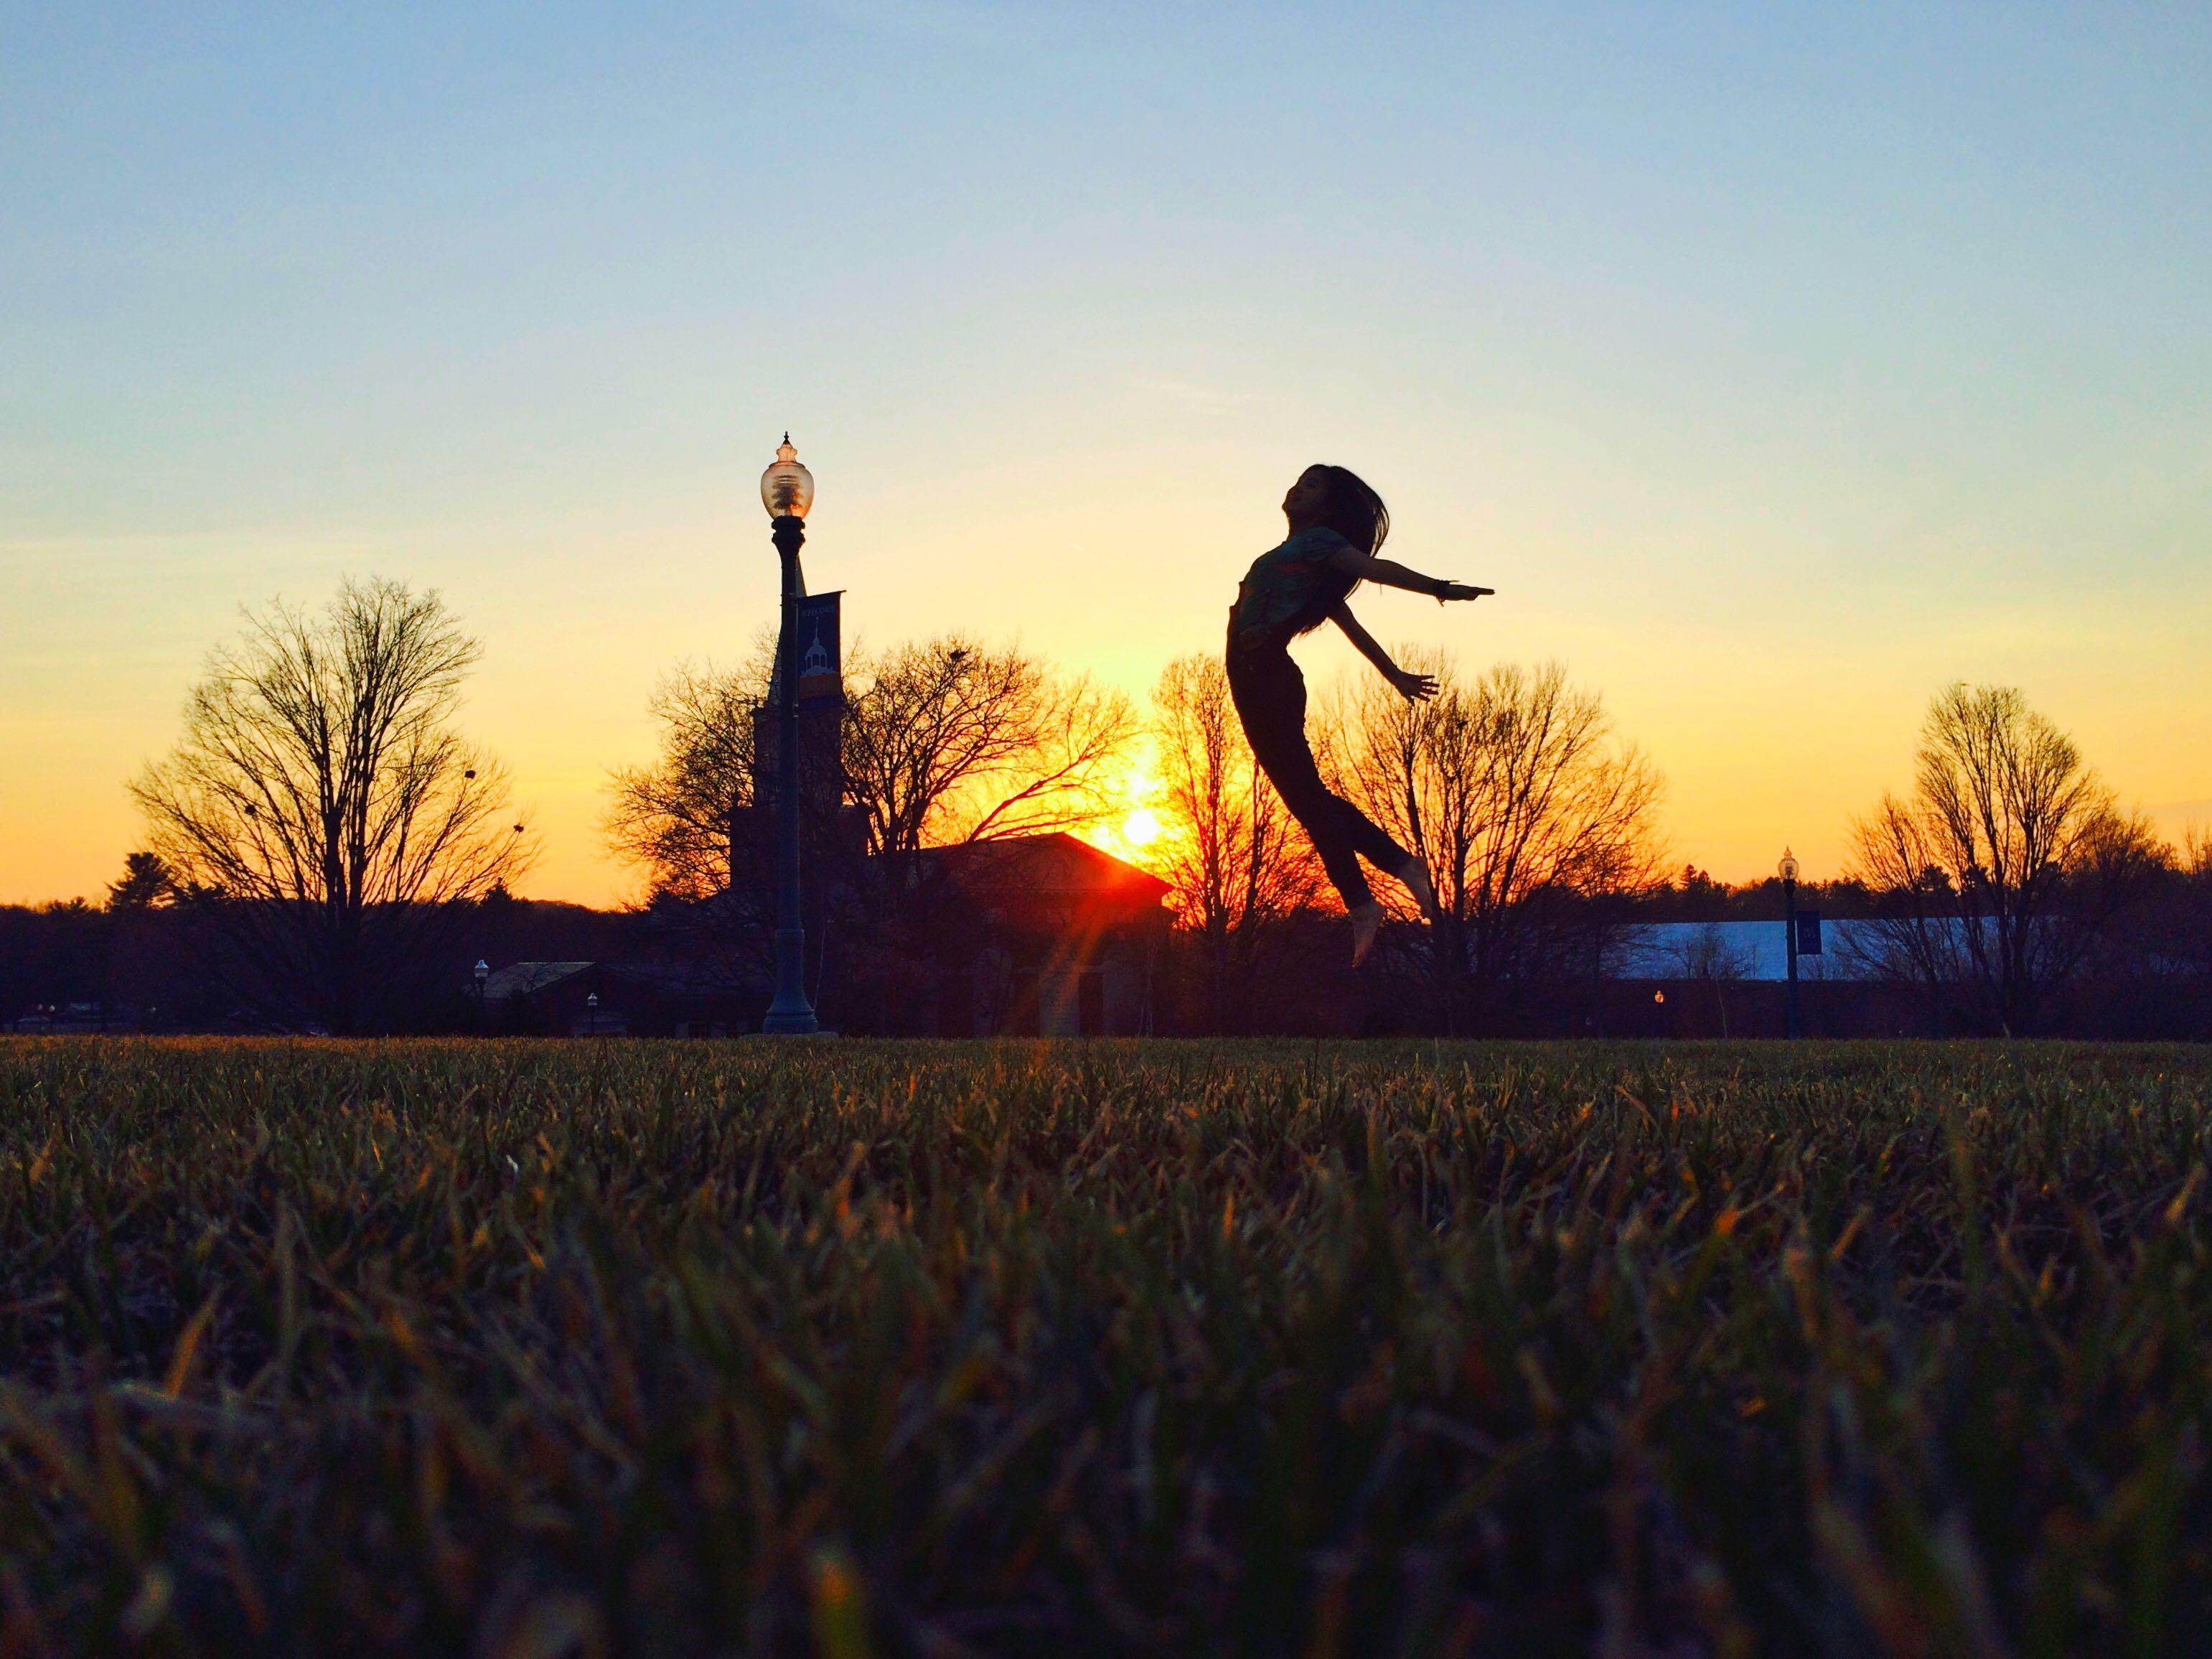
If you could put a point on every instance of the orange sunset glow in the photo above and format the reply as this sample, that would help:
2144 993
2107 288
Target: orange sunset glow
1134 830
1767 413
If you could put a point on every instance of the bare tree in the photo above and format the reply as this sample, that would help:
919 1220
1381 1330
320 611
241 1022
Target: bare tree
951 741
2186 927
1707 957
1533 820
324 808
943 742
1237 860
2002 868
678 817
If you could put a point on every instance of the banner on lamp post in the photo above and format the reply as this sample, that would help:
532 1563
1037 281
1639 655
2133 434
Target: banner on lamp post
821 669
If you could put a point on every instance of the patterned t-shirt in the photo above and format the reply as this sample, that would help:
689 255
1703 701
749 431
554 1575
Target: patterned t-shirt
1283 583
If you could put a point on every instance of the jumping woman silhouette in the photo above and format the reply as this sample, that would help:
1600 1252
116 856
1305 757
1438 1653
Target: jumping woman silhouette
1337 527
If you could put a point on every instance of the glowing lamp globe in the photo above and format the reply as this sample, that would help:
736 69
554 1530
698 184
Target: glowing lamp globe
1787 868
786 488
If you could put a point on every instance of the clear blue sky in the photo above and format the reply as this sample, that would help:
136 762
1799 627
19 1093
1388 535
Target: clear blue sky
1775 364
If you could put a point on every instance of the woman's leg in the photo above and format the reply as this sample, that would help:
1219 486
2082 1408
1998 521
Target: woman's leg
1370 840
1270 695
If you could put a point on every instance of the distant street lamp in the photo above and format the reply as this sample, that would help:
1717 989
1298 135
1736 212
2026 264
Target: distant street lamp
787 491
482 972
1788 871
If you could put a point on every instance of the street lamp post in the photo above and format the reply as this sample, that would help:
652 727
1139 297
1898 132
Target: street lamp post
787 491
1788 871
482 976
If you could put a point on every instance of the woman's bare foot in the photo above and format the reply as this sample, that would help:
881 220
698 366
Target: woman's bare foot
1366 922
1415 875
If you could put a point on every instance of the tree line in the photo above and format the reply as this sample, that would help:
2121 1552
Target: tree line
323 834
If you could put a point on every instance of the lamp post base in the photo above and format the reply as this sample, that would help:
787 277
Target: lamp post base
790 1014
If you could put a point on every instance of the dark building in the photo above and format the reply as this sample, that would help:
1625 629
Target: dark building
1031 936
616 999
1040 936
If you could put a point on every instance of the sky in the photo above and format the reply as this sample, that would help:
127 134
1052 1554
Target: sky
1776 365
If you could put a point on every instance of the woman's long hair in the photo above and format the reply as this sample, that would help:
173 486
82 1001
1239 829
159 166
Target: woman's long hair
1356 513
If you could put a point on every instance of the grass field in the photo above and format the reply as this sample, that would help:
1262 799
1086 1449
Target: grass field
849 1348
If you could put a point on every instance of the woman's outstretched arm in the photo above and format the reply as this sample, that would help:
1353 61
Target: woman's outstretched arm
1351 561
1413 686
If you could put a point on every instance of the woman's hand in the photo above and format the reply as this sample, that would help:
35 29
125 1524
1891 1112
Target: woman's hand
1414 688
1460 591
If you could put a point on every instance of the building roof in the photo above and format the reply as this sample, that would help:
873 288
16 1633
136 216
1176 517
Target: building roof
1734 950
523 979
1055 864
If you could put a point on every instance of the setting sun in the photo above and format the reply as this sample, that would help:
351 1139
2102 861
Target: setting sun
1135 830
1142 827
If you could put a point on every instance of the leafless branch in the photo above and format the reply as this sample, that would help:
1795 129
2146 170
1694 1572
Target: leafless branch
2001 870
323 798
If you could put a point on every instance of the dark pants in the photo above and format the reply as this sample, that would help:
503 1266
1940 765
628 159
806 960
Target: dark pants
1270 695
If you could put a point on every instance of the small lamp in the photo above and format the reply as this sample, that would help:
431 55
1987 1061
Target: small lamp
1787 868
786 488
